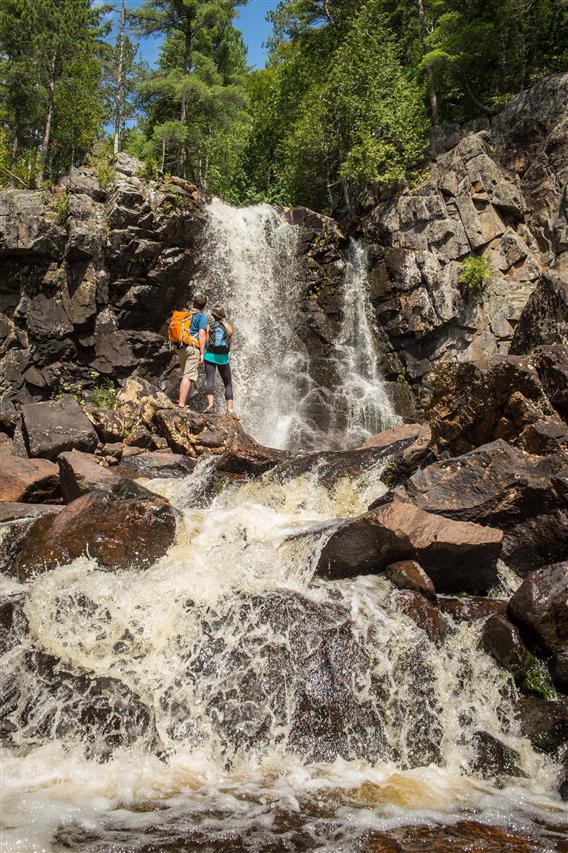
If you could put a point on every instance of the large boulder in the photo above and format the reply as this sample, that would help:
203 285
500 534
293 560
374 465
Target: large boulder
457 556
129 533
195 434
13 511
33 480
56 426
524 495
539 607
251 460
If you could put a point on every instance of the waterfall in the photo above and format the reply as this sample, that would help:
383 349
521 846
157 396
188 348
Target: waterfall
362 406
248 263
239 689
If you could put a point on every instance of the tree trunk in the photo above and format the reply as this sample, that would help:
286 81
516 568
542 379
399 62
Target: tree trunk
119 76
15 138
48 119
473 97
429 72
183 108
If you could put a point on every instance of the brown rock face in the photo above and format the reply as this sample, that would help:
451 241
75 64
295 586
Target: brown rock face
539 608
477 401
54 427
119 534
81 473
10 511
499 485
407 574
457 556
426 616
33 480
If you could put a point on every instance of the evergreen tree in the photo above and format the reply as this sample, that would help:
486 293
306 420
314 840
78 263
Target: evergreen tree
197 94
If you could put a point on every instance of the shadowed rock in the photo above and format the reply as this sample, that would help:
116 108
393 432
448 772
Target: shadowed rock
81 473
544 722
503 642
408 574
466 609
23 480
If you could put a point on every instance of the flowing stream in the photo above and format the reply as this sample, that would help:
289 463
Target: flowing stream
245 705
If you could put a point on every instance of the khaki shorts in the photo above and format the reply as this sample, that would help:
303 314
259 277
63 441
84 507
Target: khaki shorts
189 359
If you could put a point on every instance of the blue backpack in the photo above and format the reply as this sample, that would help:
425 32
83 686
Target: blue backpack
218 339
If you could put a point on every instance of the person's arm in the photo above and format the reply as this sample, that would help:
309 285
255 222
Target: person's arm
202 342
229 330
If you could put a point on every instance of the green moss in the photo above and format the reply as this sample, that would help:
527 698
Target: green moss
220 485
537 679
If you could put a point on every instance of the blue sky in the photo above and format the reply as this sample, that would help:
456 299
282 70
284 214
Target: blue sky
251 21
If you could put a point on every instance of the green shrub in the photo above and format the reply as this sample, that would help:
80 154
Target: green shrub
101 161
475 272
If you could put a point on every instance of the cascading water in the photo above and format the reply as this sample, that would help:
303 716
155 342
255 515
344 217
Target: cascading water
248 263
362 405
223 699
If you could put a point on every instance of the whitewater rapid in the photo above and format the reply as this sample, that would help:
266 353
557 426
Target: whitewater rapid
187 636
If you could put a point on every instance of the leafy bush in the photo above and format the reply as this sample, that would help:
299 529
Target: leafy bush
475 272
101 161
100 393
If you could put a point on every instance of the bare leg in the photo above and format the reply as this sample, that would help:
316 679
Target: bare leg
210 402
184 389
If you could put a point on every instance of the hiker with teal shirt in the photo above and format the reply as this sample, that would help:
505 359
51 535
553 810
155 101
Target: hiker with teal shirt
217 358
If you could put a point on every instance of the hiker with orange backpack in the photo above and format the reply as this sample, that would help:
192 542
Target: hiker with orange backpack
188 329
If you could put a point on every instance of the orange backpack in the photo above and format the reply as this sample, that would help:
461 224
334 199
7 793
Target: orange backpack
179 329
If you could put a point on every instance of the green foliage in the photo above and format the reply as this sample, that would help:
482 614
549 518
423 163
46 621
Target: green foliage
101 160
97 392
59 203
475 272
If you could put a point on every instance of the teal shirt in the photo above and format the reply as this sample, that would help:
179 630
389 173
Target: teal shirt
216 357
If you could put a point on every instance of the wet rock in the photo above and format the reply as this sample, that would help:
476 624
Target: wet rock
539 608
56 426
121 532
23 480
81 473
558 666
102 713
525 496
151 465
13 621
492 758
407 574
544 319
457 556
332 466
426 616
195 434
251 460
467 609
503 642
544 722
